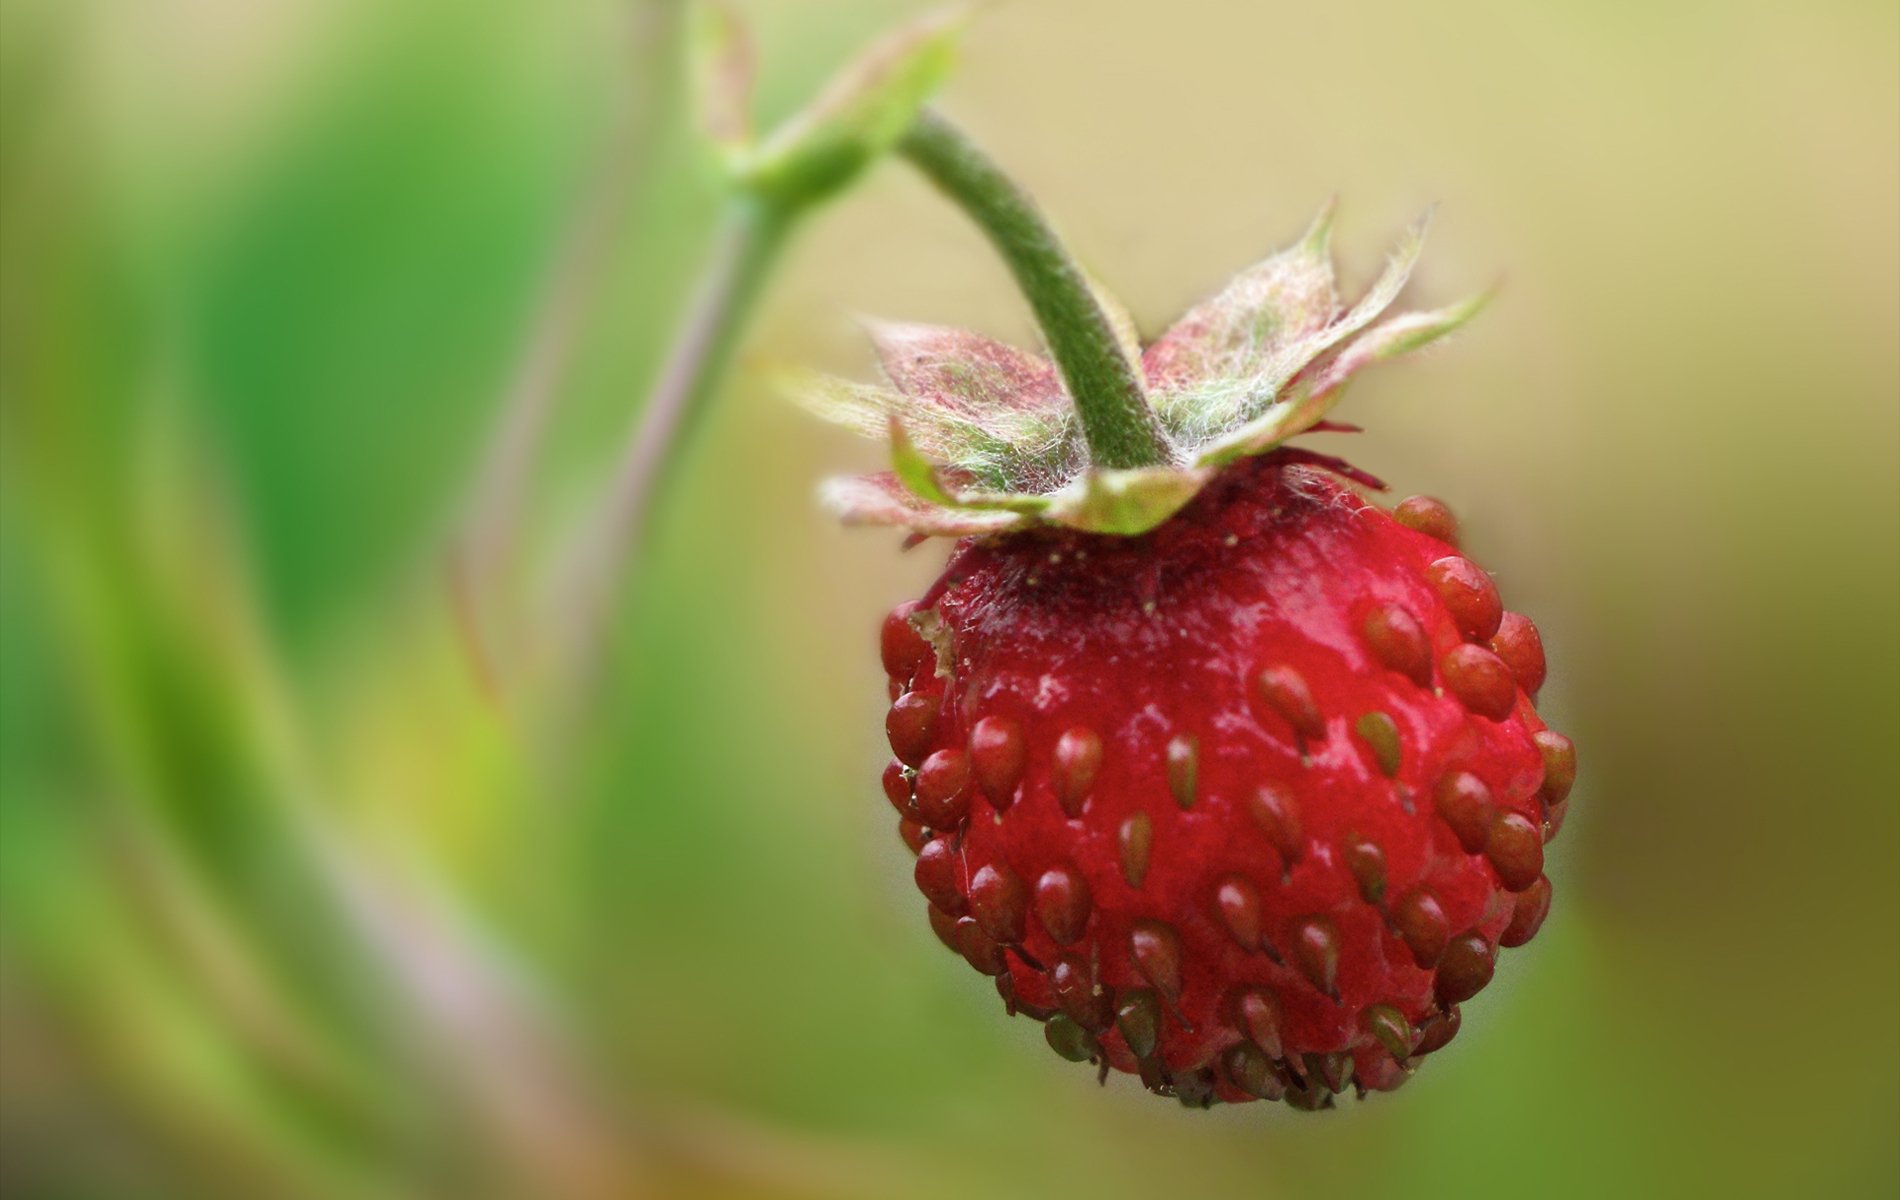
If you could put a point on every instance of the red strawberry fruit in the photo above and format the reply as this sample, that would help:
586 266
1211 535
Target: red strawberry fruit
1226 774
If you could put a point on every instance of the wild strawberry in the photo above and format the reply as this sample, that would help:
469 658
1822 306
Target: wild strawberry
1226 774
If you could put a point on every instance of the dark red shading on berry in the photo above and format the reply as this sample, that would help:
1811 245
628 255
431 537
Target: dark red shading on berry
1560 764
944 926
1367 864
978 948
1429 516
1077 759
1135 841
1000 903
904 649
1062 902
1437 1032
1142 829
912 726
1465 805
1156 948
1276 813
1527 915
1522 648
1087 1004
1464 969
1480 680
1285 691
1316 953
1468 594
1397 639
998 754
914 835
943 789
1515 847
938 876
1257 1015
1184 767
897 788
1237 902
1420 920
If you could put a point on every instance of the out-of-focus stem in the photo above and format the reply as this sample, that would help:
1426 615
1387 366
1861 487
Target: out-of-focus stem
745 246
487 547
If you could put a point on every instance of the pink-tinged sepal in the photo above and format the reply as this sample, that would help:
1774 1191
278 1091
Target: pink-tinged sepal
930 484
1258 335
883 499
984 410
1235 334
1400 335
1315 392
955 369
984 437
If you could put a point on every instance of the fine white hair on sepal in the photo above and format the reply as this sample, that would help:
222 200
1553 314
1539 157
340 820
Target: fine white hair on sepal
986 439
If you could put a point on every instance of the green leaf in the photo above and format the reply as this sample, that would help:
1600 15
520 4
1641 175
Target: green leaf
860 116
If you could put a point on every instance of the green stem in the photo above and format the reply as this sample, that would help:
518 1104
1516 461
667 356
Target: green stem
750 235
486 553
1120 426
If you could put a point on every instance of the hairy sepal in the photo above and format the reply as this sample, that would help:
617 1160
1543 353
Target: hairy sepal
985 439
1125 501
1312 396
883 499
985 411
1099 500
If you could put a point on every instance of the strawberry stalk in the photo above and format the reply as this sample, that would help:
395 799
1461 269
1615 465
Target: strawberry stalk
770 183
746 245
487 549
1118 423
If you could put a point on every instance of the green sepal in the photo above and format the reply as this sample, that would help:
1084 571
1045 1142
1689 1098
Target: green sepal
918 473
1308 402
1129 501
984 438
921 476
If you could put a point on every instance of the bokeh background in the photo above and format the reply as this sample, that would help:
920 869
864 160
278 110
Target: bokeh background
301 897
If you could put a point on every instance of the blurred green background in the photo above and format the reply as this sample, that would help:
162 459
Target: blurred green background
295 900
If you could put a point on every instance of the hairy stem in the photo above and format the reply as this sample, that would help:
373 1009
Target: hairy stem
746 245
1120 426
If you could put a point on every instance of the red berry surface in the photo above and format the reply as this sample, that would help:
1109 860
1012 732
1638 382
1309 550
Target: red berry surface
1244 805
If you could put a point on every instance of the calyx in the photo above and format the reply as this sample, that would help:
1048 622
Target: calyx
985 438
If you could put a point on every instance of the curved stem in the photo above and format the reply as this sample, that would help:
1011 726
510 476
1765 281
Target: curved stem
485 550
750 235
1121 428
